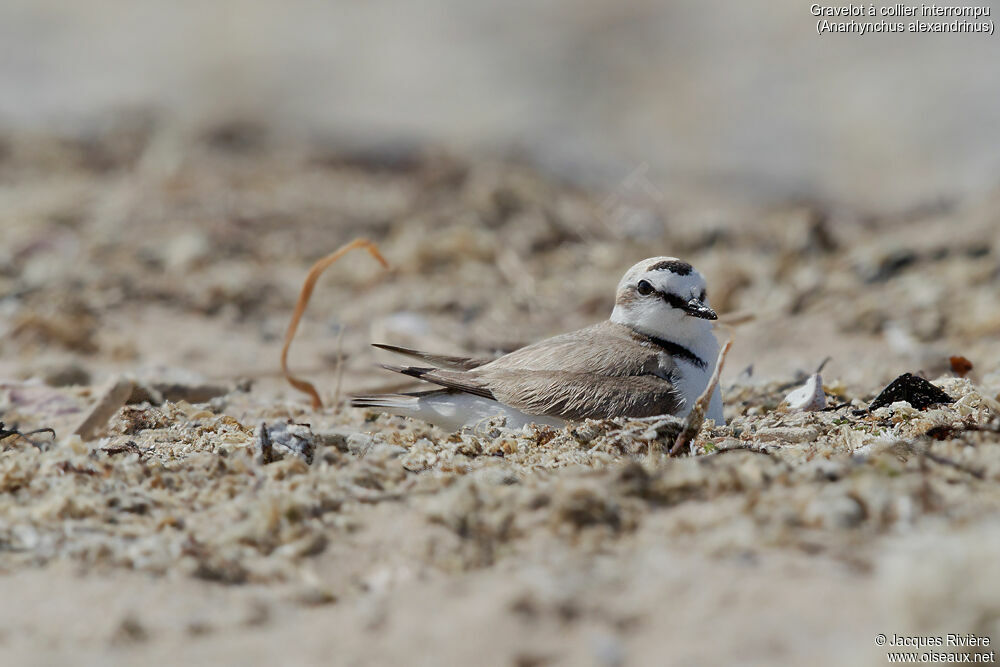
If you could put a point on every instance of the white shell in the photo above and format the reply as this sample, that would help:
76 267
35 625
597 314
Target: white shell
809 397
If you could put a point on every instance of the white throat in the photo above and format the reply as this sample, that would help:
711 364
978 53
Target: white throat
692 333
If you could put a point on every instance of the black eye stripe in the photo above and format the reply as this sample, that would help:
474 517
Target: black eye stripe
675 301
645 288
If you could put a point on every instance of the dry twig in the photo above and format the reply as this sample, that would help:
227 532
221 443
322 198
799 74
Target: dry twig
112 399
300 307
692 425
13 430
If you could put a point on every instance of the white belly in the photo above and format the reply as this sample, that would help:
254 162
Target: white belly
691 384
453 411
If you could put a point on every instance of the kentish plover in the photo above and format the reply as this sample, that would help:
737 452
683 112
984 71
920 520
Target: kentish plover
654 356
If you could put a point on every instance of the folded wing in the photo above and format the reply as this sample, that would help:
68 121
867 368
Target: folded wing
577 396
599 372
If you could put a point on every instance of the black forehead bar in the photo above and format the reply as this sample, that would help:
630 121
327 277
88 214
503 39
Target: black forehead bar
672 265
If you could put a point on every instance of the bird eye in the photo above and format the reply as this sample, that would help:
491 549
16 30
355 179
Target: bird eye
644 288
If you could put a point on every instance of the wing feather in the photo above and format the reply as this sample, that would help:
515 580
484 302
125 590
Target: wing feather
577 396
604 349
461 380
437 360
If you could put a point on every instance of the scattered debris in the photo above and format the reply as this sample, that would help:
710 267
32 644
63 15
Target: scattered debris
130 631
125 448
12 431
694 420
810 397
914 390
313 596
132 420
889 265
157 393
960 366
107 405
69 374
636 435
948 432
274 441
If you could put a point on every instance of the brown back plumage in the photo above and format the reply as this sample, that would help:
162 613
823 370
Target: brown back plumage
606 370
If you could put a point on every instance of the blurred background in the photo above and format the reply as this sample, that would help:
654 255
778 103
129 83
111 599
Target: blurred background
742 99
169 170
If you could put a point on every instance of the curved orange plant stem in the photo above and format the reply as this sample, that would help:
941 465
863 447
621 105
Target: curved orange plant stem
300 307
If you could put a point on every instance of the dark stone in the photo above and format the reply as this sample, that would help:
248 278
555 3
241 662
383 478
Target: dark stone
916 391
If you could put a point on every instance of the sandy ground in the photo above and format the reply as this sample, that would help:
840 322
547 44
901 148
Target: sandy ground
174 259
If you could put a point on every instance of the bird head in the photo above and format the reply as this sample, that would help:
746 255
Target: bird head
664 297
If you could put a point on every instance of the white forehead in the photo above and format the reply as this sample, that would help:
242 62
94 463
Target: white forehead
665 274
